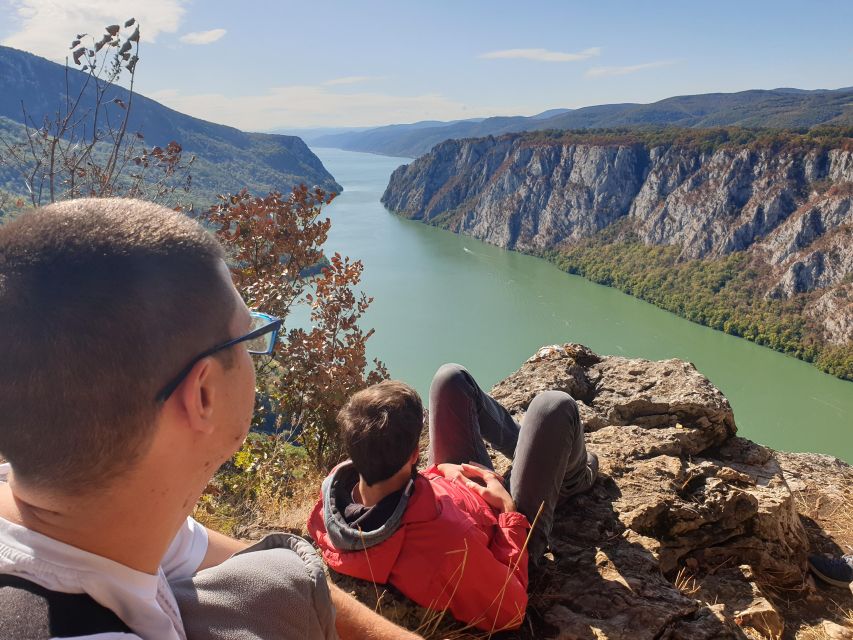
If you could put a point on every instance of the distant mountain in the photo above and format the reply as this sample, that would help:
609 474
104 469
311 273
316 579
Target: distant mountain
309 134
227 159
550 113
392 139
778 109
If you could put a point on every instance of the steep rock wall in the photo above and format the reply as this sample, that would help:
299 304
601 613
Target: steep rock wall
791 207
523 196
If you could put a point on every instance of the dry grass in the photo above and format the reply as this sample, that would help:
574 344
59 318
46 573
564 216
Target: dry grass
827 515
686 583
752 634
286 509
844 619
832 513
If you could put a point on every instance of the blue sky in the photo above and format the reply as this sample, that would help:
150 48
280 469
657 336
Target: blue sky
261 65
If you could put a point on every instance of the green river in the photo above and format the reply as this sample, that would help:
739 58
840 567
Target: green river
441 297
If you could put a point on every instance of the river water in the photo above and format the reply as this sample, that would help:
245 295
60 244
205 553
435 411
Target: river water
441 297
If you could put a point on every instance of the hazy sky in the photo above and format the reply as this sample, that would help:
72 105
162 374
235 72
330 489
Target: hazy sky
263 64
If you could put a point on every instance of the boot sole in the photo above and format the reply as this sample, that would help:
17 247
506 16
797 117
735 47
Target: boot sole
828 580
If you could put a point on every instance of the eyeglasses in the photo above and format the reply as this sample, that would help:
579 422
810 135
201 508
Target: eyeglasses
261 341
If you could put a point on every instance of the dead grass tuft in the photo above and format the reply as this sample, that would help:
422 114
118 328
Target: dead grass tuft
832 513
686 583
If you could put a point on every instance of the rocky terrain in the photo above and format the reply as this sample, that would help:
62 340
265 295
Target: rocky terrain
788 204
690 533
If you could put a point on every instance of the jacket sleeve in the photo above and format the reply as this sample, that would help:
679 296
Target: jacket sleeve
485 585
508 543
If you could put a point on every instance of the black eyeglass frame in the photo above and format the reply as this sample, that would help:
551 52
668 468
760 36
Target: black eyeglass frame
273 326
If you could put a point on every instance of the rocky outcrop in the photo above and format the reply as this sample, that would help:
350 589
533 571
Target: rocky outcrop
791 207
522 194
834 310
691 532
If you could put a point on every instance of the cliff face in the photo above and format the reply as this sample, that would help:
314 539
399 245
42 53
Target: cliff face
792 208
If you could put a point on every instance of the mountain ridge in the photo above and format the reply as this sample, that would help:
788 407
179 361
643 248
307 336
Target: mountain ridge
228 159
784 108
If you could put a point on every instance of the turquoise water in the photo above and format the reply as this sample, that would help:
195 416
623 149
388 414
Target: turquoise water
441 297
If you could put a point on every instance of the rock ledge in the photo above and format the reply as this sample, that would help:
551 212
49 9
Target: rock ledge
691 532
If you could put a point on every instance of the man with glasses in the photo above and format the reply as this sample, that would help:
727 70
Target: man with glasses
126 380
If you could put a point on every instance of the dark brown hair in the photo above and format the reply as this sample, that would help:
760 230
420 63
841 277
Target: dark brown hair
381 426
102 301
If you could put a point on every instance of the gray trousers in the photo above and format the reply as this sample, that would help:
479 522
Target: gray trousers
548 452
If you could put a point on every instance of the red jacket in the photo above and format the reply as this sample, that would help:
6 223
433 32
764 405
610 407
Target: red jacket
450 551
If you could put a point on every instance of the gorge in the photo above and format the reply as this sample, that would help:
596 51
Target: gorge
768 216
444 297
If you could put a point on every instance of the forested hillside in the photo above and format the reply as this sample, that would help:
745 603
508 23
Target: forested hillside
226 159
777 108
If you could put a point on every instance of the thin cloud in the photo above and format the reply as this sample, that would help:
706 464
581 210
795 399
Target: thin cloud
45 27
601 72
203 37
321 106
350 80
542 55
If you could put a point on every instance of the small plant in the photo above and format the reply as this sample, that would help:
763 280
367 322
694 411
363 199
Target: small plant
85 147
259 485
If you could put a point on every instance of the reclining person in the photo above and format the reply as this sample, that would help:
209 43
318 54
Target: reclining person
125 381
454 537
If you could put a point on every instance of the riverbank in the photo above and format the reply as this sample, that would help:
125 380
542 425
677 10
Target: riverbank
722 293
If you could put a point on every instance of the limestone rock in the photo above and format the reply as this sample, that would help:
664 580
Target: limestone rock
835 631
834 310
785 206
680 499
690 533
740 599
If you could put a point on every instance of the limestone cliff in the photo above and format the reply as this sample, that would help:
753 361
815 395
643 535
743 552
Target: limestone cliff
690 533
788 204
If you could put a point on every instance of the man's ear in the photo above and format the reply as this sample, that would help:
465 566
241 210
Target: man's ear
413 459
197 394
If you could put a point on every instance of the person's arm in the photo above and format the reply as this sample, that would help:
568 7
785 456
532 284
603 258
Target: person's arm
355 621
492 588
508 543
219 548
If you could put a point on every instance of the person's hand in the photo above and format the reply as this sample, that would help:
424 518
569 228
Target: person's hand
452 472
489 485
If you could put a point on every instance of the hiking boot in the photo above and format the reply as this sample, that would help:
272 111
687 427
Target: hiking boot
835 571
583 479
